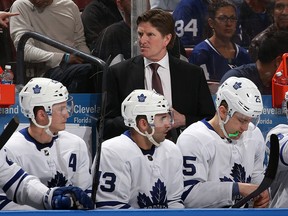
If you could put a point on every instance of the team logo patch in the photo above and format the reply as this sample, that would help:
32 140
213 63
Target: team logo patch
142 98
37 89
238 174
237 85
156 199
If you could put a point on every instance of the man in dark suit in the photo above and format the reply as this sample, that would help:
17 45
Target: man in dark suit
184 85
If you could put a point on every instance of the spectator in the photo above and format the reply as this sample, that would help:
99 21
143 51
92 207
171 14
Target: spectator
223 157
136 180
218 54
44 149
98 15
190 17
5 41
27 189
280 15
59 20
254 17
270 54
184 84
116 38
4 18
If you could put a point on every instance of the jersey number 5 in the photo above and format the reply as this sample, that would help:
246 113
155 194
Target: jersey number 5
189 167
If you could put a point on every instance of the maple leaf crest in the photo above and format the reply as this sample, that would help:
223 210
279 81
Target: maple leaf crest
238 174
158 195
59 180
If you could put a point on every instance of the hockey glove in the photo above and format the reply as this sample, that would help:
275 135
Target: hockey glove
67 198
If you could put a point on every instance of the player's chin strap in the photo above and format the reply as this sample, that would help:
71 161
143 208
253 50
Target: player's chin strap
149 136
45 126
222 123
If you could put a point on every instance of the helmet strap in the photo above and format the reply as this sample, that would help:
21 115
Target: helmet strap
222 124
45 126
149 136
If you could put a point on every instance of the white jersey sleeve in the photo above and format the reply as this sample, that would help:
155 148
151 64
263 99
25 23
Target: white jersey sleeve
19 186
279 187
211 164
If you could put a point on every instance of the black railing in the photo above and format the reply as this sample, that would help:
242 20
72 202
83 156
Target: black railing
20 71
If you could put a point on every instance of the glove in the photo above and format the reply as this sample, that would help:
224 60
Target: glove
67 198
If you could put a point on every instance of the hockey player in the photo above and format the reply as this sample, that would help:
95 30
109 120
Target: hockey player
140 168
223 157
27 189
44 149
279 187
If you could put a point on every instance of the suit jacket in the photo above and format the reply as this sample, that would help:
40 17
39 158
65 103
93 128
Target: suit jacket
190 93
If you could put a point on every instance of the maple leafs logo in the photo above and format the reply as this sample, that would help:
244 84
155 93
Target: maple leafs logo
142 98
158 195
59 180
37 89
238 174
237 85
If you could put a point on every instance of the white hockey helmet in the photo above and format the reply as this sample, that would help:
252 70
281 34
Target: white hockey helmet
143 102
41 92
242 96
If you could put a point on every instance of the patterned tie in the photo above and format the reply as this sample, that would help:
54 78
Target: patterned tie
156 81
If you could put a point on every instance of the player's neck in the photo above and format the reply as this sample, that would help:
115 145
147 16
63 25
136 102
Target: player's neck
141 141
214 122
39 134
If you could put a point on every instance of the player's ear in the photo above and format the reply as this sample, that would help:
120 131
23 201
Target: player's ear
223 112
143 124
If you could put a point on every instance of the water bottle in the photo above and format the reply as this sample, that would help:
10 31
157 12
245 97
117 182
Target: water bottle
284 104
7 75
280 79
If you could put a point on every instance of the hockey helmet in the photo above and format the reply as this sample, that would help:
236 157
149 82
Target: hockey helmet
42 92
242 96
143 102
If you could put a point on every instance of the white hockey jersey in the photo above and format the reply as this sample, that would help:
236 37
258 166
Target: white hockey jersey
211 164
134 178
63 162
19 186
279 187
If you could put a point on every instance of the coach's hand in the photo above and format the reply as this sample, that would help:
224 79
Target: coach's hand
67 198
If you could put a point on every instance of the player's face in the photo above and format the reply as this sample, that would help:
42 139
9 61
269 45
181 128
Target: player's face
281 14
162 124
60 113
152 43
224 23
238 123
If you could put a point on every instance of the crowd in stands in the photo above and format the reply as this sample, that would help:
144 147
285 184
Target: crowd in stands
155 99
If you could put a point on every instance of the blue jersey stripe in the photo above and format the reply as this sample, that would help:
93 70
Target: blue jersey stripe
24 176
13 180
4 201
112 203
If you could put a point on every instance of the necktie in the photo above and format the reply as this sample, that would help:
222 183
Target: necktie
156 81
